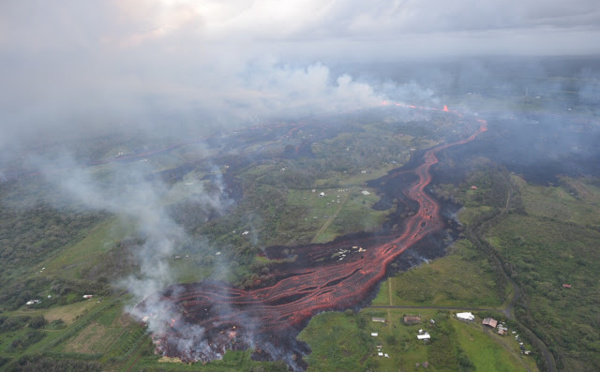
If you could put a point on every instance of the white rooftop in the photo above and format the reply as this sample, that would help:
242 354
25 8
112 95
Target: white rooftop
465 316
423 336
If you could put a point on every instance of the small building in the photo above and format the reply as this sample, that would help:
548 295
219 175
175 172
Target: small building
490 322
378 320
466 316
365 192
412 319
566 286
374 334
423 336
321 194
473 187
88 296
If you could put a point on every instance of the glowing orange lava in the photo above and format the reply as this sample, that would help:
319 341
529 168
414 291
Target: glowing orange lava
316 281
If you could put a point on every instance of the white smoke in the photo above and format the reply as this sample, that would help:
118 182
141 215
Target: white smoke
125 190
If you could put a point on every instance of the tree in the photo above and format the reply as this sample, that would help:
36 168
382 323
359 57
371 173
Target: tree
37 322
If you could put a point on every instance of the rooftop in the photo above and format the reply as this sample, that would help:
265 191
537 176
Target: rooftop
490 322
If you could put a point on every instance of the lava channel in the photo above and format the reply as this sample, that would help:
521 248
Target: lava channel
212 317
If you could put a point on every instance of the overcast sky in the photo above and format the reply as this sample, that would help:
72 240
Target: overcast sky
102 63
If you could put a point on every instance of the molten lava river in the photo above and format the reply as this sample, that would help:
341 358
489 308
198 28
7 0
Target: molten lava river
208 318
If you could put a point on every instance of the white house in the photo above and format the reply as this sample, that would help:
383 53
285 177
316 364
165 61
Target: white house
423 336
465 316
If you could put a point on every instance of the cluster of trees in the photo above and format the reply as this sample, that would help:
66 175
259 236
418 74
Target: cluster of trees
14 323
36 363
414 128
30 231
445 350
493 186
564 319
526 252
353 152
26 340
27 236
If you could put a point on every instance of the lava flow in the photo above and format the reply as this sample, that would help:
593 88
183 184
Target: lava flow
215 316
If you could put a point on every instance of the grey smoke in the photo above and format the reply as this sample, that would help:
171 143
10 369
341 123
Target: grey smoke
125 190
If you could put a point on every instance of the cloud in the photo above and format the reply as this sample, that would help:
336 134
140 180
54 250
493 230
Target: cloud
182 65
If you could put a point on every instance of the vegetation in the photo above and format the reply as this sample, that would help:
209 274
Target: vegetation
546 237
463 278
40 363
564 318
519 240
332 352
454 345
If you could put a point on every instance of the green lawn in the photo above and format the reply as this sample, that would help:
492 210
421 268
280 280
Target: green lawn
337 343
487 350
343 342
341 211
72 259
67 313
461 279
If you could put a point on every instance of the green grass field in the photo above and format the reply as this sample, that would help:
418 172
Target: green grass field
67 313
461 279
72 259
341 211
337 343
343 342
490 352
